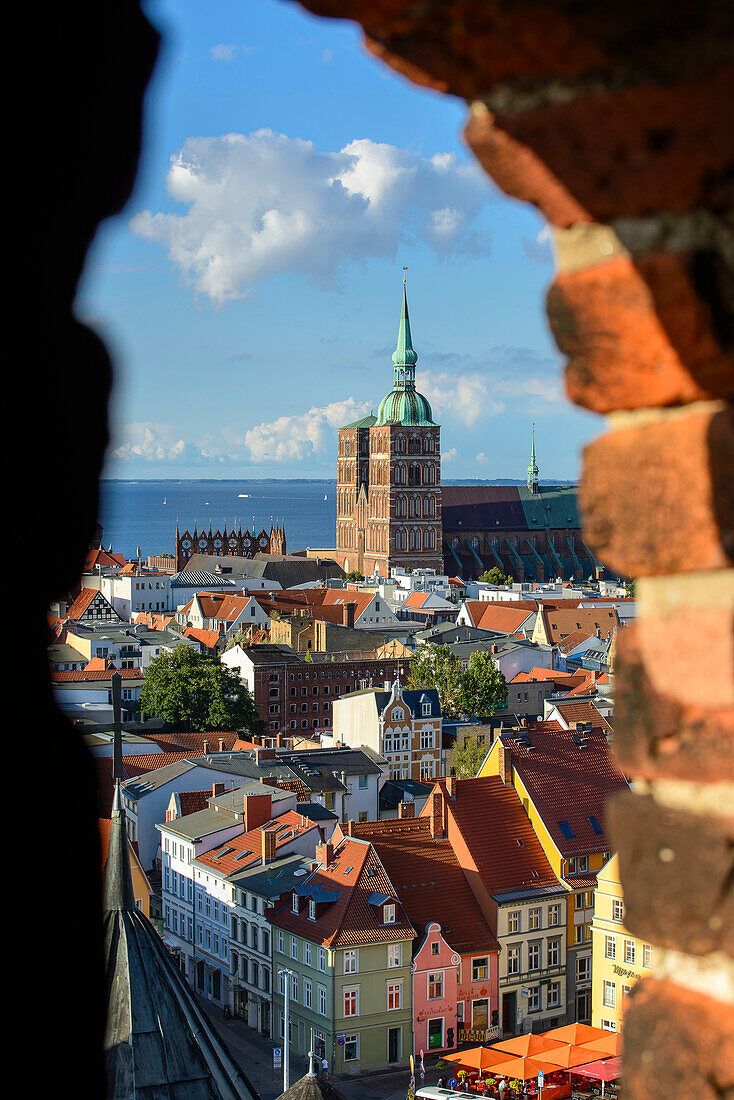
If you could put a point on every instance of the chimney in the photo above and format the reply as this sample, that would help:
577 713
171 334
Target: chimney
325 853
436 819
257 810
451 787
261 755
348 610
504 760
221 744
217 788
348 828
267 845
279 740
406 809
205 746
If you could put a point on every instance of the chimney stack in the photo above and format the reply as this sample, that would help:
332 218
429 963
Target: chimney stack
205 746
406 809
217 788
267 845
504 760
325 853
436 819
348 828
451 787
348 610
221 744
257 810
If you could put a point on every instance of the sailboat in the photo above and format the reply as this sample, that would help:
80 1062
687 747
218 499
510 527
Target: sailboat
165 501
325 497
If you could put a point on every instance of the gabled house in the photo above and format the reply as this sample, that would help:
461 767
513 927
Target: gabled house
563 778
455 953
90 606
555 624
511 617
342 940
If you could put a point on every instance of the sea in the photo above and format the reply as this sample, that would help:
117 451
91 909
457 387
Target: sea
144 513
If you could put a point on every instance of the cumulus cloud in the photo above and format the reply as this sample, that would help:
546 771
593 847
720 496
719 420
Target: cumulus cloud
263 203
465 396
298 437
147 441
222 52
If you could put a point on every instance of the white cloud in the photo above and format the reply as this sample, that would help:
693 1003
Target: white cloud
295 438
148 441
450 455
222 52
481 457
262 203
465 396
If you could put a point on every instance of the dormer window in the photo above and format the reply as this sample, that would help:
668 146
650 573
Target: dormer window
294 903
388 914
311 909
426 708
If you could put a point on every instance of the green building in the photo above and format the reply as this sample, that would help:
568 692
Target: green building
344 943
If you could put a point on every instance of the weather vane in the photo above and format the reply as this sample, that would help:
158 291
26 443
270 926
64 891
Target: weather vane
404 269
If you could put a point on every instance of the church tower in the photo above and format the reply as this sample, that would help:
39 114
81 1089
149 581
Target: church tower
389 477
533 472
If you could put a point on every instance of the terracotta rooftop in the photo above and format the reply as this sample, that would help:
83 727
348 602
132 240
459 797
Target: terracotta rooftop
575 712
505 617
208 638
241 852
82 602
601 621
184 741
569 783
354 874
81 674
429 881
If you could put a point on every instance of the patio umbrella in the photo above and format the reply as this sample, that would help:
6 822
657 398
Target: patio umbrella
568 1056
477 1058
607 1070
527 1046
576 1034
610 1043
522 1069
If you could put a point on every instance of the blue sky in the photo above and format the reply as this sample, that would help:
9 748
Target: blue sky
250 292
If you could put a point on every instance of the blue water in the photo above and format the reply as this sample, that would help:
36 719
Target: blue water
133 514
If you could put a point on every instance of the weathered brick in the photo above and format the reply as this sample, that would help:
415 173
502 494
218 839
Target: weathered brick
655 735
637 151
705 643
656 498
637 334
677 1044
677 871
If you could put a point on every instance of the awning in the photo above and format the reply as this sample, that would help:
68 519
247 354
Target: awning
608 1070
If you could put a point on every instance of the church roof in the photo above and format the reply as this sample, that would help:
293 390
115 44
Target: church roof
365 422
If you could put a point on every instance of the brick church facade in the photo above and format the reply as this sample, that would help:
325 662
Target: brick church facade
388 501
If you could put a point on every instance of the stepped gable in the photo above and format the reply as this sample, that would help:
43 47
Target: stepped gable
429 880
569 775
489 817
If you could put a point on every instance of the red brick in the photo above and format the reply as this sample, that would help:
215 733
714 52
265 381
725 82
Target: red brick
655 736
676 869
677 1044
656 498
706 644
637 334
638 151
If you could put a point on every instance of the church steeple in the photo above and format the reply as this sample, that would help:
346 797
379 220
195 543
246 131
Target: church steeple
404 405
533 471
404 357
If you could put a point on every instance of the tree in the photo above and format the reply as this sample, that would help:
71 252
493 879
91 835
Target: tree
631 588
197 692
495 576
241 638
479 689
354 575
484 686
466 757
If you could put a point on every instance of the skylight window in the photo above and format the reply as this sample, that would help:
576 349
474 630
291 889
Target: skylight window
566 829
596 826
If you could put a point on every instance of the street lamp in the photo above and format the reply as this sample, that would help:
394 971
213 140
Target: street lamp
286 1023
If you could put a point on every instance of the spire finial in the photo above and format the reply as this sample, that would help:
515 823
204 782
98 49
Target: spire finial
533 471
404 357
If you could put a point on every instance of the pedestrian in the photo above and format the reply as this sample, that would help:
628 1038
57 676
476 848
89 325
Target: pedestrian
502 1088
442 1082
325 1068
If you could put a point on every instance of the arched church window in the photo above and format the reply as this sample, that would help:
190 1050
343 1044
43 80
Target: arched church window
400 506
414 445
415 505
429 506
400 539
429 539
428 445
415 539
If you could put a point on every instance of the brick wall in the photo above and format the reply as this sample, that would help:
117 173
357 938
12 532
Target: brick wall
615 121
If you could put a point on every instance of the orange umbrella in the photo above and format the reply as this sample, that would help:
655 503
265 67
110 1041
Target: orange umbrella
576 1034
610 1044
527 1046
522 1069
569 1056
478 1058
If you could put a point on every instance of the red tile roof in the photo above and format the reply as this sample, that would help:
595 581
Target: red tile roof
572 640
193 801
505 617
568 784
100 556
132 765
351 919
98 664
208 638
428 880
222 605
601 621
81 604
79 675
296 786
248 846
575 712
183 741
489 817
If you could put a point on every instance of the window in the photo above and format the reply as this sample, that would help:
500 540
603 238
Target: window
350 962
609 995
294 987
578 901
388 914
479 968
513 960
534 918
435 985
583 968
554 914
426 735
566 829
280 941
322 1000
294 947
583 863
646 956
322 959
618 910
610 947
436 948
553 996
307 992
307 953
533 956
294 903
351 1048
351 1002
394 995
534 998
311 909
629 952
394 955
626 990
554 952
609 1025
513 922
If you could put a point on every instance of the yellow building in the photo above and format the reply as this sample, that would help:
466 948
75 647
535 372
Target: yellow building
563 779
619 958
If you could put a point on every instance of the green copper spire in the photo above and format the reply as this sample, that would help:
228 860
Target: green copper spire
404 405
533 471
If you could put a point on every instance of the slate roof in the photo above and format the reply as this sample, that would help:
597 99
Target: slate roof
567 783
188 578
429 881
355 873
410 696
